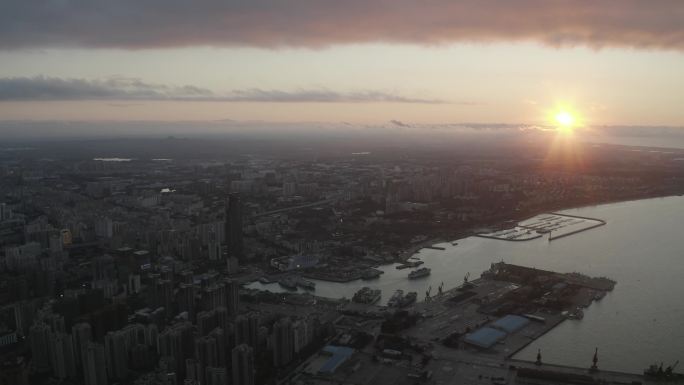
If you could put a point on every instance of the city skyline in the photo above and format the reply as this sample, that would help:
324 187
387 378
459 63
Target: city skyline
359 192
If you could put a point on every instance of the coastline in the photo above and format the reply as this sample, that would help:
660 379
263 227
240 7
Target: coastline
413 250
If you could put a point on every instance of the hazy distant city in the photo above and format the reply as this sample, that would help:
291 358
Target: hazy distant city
179 267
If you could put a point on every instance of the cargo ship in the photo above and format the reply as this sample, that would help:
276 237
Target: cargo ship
422 272
409 298
396 299
367 296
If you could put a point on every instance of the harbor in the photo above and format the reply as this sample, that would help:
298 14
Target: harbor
477 335
602 324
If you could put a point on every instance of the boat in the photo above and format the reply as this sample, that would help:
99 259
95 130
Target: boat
408 264
576 314
409 298
396 299
422 272
454 243
435 247
289 283
367 296
371 273
303 283
265 280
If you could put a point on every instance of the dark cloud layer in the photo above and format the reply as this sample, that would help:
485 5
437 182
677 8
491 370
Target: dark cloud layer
42 88
134 24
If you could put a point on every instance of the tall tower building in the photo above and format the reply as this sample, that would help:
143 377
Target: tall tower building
94 365
206 355
233 228
233 297
283 344
177 342
206 322
243 365
219 336
82 335
63 358
116 354
247 330
216 376
40 347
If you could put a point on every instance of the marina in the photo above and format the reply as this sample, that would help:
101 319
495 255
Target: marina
552 225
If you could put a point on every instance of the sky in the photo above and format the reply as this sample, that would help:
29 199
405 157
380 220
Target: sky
358 61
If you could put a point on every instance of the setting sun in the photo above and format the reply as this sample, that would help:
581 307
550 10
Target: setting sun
564 119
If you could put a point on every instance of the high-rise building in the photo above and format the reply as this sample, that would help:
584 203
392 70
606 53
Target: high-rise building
219 337
214 296
233 223
116 355
247 330
94 365
186 298
232 265
177 342
206 355
191 369
222 317
206 322
82 335
216 376
233 297
151 335
301 335
63 358
40 345
243 365
5 212
283 344
165 298
55 322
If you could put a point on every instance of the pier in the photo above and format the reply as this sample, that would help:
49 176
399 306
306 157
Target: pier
542 224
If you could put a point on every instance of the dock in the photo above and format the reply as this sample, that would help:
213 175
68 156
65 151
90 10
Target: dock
542 224
435 247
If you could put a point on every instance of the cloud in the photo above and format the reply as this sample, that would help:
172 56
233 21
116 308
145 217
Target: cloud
399 123
135 24
41 88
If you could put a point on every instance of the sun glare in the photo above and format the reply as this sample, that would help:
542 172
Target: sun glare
564 119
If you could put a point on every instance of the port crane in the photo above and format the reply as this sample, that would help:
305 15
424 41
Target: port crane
671 368
465 279
657 371
427 294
